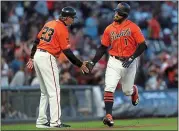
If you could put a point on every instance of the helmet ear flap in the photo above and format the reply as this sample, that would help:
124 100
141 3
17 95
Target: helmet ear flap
63 18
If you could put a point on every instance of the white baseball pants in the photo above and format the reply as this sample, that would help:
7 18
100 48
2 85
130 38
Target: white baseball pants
115 73
48 74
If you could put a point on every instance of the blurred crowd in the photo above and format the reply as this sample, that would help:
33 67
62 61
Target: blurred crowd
7 111
22 20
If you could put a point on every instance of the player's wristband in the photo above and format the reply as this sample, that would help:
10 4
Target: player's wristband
92 63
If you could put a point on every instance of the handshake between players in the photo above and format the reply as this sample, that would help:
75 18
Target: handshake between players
87 67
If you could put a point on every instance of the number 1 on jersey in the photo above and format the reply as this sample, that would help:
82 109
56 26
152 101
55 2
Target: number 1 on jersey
125 41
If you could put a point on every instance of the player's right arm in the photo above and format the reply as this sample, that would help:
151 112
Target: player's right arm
105 42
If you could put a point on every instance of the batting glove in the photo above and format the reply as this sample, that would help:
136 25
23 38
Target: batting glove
90 66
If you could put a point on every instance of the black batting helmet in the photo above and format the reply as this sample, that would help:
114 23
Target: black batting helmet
123 9
68 12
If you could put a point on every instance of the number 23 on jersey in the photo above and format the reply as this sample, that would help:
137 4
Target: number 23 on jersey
47 34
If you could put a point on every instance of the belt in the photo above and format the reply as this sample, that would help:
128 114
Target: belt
42 50
120 58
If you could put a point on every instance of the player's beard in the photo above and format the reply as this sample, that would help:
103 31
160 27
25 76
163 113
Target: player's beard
118 19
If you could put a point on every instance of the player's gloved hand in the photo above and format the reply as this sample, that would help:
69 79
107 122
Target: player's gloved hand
84 68
128 62
90 66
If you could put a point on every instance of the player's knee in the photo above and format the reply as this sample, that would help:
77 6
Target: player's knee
43 93
52 94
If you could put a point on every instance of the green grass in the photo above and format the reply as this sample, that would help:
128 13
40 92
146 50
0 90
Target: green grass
129 124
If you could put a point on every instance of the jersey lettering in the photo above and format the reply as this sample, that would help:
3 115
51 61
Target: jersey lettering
47 34
54 37
115 36
123 39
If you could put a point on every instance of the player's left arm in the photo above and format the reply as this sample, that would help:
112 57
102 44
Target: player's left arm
34 48
35 43
140 49
140 40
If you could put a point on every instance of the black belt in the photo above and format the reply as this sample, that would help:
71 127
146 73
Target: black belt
120 58
42 50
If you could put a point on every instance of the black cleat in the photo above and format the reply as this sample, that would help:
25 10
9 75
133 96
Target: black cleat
61 126
46 125
108 120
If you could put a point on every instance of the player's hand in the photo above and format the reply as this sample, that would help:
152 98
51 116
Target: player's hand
127 63
83 68
90 66
30 64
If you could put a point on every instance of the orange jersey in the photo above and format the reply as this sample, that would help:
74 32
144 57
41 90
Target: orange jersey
54 37
122 38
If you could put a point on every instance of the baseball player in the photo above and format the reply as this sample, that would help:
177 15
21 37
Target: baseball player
126 43
50 42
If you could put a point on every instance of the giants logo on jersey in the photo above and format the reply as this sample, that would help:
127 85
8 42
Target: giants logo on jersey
114 35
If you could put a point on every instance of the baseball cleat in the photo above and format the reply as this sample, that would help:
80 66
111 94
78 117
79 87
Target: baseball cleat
61 126
135 96
108 120
46 125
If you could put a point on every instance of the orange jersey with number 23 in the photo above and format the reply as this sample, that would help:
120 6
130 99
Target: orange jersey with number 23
54 37
122 38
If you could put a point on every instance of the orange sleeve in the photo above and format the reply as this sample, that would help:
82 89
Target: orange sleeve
63 38
40 33
106 37
138 36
